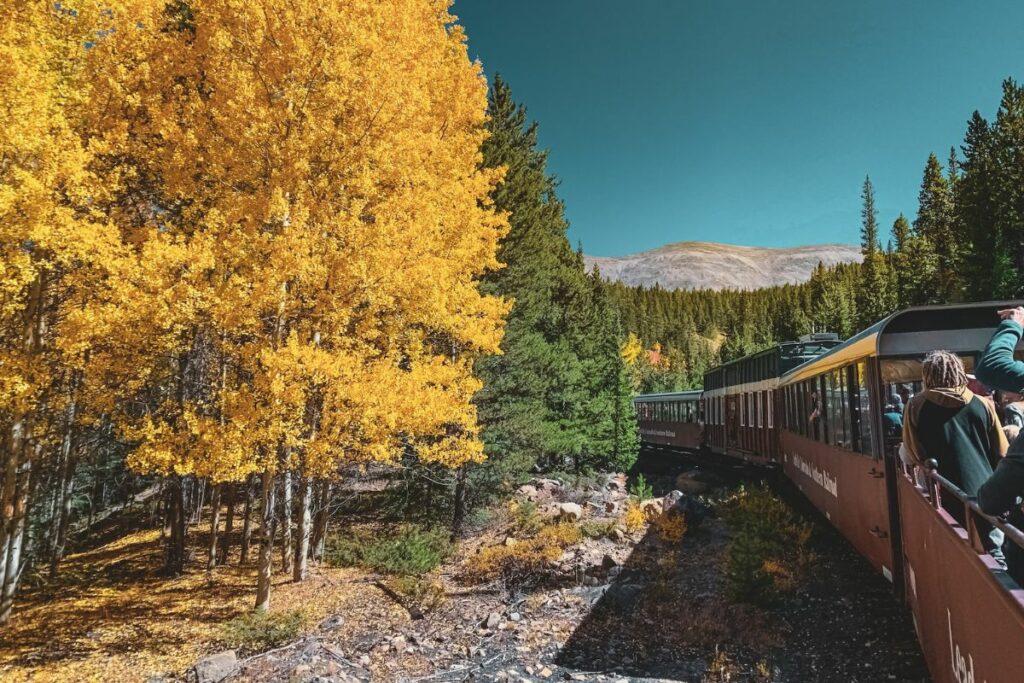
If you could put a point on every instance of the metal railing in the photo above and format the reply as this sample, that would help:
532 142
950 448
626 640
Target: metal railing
971 511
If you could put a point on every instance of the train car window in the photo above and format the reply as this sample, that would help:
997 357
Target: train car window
844 376
840 405
824 405
743 405
864 424
771 414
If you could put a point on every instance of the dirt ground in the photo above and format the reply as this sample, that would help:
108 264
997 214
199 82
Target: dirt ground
657 611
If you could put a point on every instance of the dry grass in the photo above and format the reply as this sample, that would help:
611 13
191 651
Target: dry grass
113 617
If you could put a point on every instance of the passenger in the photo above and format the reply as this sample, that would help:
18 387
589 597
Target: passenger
905 395
892 423
815 417
948 423
1002 492
1011 408
1011 432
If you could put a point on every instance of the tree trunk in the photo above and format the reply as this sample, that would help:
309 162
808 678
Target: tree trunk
266 544
211 561
229 523
247 522
65 493
459 513
287 550
302 537
321 519
15 541
177 512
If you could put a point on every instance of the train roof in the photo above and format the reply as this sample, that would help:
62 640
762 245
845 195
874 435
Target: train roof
669 396
961 328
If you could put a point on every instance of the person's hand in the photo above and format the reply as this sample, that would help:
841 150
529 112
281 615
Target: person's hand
1014 314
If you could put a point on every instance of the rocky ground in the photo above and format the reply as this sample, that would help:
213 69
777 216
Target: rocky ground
620 608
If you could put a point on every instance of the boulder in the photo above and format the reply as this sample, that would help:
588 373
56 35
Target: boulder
509 542
652 508
216 668
623 596
611 507
547 484
607 562
570 512
528 491
493 619
617 535
672 500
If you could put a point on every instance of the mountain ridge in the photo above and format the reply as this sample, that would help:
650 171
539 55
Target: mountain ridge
715 265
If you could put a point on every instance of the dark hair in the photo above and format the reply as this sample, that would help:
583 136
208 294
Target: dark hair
943 370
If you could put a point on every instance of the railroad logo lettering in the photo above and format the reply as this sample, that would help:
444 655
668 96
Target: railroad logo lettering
963 667
657 432
819 477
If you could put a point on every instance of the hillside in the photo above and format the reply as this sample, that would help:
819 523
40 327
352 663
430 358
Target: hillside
706 265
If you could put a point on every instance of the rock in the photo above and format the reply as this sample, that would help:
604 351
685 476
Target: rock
617 535
547 484
493 619
614 572
607 562
528 491
216 668
591 581
610 507
301 670
397 643
616 482
671 500
364 660
333 667
545 672
332 622
652 508
515 616
623 595
570 512
509 542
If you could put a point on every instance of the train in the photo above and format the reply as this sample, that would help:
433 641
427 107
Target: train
813 410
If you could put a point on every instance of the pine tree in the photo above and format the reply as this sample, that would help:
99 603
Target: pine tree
872 302
934 225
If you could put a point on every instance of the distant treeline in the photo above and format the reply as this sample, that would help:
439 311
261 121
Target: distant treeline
966 243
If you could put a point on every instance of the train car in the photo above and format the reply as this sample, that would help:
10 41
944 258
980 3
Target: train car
670 419
969 615
739 398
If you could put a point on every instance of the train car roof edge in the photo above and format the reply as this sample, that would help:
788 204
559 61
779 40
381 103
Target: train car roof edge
865 343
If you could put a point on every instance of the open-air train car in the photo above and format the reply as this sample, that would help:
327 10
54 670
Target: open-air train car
670 419
968 614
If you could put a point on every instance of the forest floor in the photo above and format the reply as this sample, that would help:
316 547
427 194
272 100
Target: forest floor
652 610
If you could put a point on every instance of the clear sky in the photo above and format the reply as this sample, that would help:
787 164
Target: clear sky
748 122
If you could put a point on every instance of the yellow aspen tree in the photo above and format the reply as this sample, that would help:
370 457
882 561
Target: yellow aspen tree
305 205
55 246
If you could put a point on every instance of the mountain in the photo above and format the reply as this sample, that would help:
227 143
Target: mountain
707 265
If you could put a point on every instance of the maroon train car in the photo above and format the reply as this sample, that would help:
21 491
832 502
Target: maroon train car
968 613
739 398
670 419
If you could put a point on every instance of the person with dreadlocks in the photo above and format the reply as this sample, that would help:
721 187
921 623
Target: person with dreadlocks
948 423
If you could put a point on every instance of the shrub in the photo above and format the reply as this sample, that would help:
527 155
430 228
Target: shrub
524 562
428 595
634 517
640 489
598 528
768 548
670 526
262 630
525 516
411 551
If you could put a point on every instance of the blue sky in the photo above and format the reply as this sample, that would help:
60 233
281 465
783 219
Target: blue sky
743 122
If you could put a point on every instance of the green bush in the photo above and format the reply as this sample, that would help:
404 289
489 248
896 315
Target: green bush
768 547
262 630
598 528
641 489
411 551
526 518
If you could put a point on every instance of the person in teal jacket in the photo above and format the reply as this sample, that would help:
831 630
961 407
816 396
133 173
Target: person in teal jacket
1002 492
998 368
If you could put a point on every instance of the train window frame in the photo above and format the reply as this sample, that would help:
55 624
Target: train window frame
865 409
